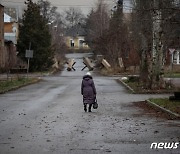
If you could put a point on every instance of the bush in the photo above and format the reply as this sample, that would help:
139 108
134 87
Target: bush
133 79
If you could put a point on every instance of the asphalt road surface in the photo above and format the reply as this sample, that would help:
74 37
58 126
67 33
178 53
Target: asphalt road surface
48 117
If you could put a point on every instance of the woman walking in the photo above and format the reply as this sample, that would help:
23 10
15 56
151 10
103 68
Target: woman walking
88 91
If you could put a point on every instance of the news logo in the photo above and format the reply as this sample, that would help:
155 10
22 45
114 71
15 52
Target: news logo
164 145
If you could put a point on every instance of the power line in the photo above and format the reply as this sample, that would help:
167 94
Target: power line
125 7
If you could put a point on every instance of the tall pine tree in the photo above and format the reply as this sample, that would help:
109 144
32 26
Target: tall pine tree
34 33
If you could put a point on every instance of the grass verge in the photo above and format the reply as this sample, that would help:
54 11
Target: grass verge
138 87
172 75
173 106
8 85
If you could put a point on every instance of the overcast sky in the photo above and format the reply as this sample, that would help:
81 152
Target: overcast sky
84 5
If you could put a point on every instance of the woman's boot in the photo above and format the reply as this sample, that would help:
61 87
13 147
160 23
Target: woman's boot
90 105
85 107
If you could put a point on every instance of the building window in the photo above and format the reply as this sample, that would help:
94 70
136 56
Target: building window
81 43
176 57
72 43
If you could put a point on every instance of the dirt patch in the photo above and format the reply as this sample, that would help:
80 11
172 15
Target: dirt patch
152 111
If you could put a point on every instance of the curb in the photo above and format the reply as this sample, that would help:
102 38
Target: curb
127 86
145 92
163 109
17 87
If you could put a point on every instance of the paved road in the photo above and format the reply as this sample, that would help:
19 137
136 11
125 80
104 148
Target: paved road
48 117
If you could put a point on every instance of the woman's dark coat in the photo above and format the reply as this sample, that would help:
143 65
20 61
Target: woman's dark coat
88 89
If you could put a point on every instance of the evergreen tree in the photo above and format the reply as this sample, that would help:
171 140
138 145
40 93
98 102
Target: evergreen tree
34 34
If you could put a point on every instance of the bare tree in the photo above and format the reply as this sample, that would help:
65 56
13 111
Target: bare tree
150 18
73 16
97 23
109 36
47 10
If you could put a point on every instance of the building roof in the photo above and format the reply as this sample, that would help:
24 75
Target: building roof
75 31
8 18
1 5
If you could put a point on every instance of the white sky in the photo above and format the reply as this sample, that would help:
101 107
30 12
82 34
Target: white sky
84 5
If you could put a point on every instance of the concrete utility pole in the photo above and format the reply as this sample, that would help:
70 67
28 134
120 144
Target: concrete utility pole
157 49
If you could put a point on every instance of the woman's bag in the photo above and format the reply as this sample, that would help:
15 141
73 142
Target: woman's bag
95 104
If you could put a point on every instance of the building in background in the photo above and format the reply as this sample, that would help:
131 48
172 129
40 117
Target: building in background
11 29
14 9
1 35
75 38
12 12
8 56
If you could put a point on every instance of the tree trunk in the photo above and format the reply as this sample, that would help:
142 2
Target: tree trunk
157 48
